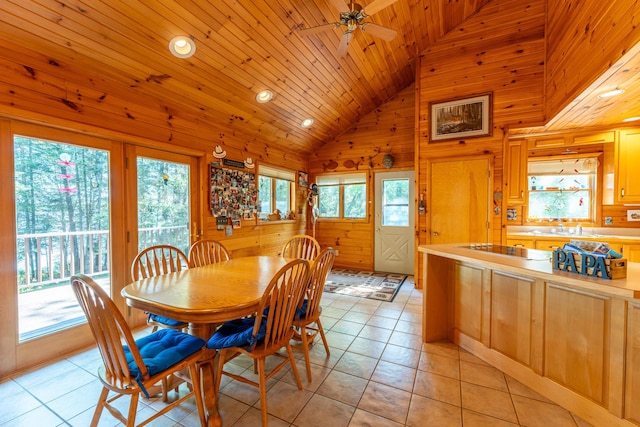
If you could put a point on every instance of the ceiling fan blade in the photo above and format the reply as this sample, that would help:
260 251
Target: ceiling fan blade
345 41
341 5
384 33
318 28
376 5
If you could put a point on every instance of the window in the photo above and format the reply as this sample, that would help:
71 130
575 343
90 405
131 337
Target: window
395 202
342 196
562 189
275 191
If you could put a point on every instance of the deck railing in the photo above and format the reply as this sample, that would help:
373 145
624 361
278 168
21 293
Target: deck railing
49 258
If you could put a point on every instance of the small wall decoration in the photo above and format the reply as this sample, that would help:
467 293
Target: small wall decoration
461 118
303 179
219 153
388 161
233 193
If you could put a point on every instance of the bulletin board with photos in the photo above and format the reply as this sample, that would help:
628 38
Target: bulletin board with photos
234 194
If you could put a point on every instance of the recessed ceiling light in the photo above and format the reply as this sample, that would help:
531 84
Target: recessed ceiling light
182 46
631 119
264 96
611 93
306 123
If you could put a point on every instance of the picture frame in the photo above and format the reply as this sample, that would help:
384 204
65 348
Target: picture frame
461 118
303 179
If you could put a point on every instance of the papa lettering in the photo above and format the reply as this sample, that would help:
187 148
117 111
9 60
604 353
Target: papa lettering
590 265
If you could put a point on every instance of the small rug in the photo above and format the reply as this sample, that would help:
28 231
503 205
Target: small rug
364 284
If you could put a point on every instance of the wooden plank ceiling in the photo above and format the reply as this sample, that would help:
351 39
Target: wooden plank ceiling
243 47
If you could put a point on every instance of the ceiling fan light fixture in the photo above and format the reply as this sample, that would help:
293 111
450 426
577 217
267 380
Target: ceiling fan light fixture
615 92
182 46
264 96
306 123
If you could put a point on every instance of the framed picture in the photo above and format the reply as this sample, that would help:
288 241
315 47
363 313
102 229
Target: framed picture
303 179
461 118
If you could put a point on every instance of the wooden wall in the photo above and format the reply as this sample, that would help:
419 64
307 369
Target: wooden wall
508 61
42 90
389 129
584 38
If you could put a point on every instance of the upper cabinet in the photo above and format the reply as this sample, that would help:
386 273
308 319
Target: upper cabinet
568 140
627 159
516 182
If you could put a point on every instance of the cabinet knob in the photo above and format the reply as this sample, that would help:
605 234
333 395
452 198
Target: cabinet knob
435 233
522 194
622 192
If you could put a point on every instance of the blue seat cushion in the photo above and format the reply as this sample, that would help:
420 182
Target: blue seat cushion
165 320
302 311
237 333
163 349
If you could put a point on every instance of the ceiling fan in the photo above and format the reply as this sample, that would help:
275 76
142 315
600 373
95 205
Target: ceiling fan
351 17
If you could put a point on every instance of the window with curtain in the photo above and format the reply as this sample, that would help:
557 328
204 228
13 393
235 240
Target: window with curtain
276 190
342 196
562 189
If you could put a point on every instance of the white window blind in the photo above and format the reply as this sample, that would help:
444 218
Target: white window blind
276 173
338 179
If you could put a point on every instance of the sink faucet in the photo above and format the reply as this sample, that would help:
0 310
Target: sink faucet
560 226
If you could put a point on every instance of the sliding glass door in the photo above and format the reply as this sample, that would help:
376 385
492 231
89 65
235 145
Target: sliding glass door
63 228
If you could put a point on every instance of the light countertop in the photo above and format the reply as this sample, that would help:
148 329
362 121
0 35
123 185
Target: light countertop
538 264
600 233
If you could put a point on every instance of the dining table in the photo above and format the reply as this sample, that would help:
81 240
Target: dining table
206 297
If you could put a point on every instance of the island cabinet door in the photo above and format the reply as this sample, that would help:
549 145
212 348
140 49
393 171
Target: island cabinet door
511 315
576 341
632 371
470 311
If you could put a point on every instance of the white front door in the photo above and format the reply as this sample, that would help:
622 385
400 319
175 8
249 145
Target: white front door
394 222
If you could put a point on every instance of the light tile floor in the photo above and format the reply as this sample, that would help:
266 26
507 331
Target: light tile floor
379 374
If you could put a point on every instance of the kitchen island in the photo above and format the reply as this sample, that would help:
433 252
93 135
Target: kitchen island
573 338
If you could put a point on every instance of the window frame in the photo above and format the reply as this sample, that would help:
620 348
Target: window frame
342 180
275 174
596 190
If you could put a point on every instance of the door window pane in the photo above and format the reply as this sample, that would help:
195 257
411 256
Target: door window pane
395 202
62 224
163 204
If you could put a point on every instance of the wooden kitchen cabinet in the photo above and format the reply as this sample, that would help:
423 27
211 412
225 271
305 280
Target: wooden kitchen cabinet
627 159
522 243
632 374
631 252
549 245
516 183
511 313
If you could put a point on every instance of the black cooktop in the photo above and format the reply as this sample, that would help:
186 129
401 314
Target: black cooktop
516 251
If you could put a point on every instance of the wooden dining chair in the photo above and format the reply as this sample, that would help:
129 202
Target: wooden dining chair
132 366
204 252
155 261
301 246
264 334
307 322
